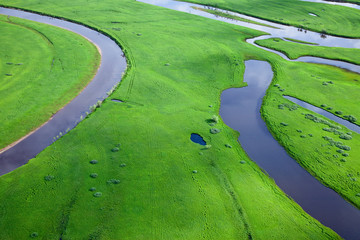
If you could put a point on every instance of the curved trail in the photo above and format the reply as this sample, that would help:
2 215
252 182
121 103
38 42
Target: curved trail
237 104
109 74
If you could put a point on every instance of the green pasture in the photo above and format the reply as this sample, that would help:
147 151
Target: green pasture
334 20
150 181
41 69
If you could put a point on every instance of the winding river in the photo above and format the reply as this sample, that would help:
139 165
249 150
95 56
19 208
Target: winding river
316 199
238 104
112 66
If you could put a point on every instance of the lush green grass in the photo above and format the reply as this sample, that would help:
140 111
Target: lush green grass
39 74
335 89
335 20
316 154
175 75
295 50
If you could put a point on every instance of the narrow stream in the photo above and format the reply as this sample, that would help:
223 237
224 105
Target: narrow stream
326 114
318 200
238 104
112 66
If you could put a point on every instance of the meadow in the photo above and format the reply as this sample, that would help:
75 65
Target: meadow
325 150
149 181
334 20
42 68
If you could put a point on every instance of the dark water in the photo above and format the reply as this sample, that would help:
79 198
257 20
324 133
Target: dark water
196 138
109 74
240 110
326 114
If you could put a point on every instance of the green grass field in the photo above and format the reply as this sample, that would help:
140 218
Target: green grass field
174 77
323 86
304 138
39 74
335 20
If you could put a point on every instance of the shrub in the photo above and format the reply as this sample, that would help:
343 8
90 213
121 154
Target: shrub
93 161
113 181
167 64
298 130
242 162
93 189
123 165
340 151
207 146
345 154
97 194
343 160
214 130
325 83
115 149
335 156
281 106
49 178
323 105
339 112
282 90
329 108
276 85
194 171
215 119
34 235
310 135
357 195
345 137
284 124
228 146
302 136
350 118
331 82
94 175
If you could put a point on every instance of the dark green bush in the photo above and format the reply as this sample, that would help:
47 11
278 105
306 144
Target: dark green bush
49 178
284 124
93 189
34 235
94 175
339 112
350 118
113 181
123 165
345 137
214 130
115 149
93 161
97 194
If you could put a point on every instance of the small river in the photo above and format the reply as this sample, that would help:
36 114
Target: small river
236 105
113 65
240 110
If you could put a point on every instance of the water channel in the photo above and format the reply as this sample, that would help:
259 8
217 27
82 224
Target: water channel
318 200
240 110
113 65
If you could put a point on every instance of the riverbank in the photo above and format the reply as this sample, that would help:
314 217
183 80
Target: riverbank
44 62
